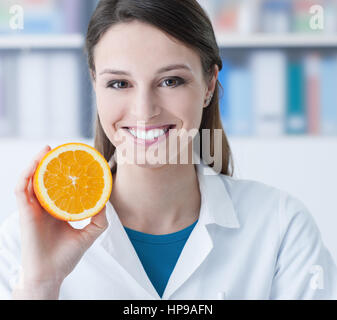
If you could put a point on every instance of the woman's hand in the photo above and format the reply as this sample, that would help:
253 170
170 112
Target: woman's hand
50 248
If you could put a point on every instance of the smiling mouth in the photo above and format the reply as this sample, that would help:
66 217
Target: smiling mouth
148 128
151 134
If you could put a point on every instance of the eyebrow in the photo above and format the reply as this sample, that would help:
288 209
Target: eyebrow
161 70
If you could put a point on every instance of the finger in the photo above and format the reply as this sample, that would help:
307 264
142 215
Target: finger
97 225
41 154
22 185
100 220
30 192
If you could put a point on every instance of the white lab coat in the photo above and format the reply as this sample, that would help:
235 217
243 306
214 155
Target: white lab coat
252 241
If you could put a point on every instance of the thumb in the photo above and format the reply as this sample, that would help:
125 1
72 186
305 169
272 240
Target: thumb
95 228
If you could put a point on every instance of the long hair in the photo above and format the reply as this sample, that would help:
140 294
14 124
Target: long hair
186 21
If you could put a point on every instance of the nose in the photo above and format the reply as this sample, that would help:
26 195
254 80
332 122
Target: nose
144 106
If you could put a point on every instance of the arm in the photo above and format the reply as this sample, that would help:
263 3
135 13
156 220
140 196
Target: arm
49 249
36 291
11 279
304 267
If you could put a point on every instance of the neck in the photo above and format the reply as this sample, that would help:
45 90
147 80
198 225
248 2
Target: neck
156 200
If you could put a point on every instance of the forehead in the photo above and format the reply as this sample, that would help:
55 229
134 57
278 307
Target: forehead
136 46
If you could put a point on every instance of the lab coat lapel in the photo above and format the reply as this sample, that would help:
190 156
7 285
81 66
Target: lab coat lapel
117 243
216 208
195 251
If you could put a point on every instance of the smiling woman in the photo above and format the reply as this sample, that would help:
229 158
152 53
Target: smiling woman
171 230
156 49
155 92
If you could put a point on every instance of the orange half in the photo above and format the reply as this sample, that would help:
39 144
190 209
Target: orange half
73 182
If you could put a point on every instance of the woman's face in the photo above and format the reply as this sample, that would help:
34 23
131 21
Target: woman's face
132 90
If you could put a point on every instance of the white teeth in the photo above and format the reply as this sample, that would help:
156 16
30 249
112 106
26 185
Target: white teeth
148 135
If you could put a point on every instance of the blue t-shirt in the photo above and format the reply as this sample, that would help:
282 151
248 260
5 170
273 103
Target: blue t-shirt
159 253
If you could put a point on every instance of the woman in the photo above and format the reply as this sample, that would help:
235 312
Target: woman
170 230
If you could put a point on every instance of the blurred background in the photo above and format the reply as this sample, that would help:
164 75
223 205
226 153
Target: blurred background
278 106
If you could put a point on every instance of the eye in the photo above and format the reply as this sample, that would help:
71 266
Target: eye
112 83
176 82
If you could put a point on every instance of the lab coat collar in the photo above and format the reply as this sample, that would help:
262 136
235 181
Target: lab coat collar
219 207
216 208
116 242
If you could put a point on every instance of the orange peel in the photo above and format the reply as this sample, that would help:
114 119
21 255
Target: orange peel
73 182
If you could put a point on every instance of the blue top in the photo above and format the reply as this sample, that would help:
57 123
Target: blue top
159 253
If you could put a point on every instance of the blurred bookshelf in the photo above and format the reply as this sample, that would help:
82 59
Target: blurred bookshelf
45 89
279 68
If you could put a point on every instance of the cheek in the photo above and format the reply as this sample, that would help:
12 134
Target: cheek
106 106
189 109
109 112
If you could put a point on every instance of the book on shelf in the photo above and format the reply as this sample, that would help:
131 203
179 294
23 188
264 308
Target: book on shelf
269 92
71 15
247 17
48 103
43 17
239 101
8 94
277 93
4 16
226 16
296 110
272 16
2 92
302 16
312 88
275 16
330 16
33 90
3 120
64 93
328 112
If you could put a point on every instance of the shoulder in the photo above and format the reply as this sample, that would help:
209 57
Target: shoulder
252 198
259 193
265 203
251 190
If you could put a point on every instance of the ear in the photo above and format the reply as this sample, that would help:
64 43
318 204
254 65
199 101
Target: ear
212 84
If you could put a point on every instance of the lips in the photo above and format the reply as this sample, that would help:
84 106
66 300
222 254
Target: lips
147 128
142 137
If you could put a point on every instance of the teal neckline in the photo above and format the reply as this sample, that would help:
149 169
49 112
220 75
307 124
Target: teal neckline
160 238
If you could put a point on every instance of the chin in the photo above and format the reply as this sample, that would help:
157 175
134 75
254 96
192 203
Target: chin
151 166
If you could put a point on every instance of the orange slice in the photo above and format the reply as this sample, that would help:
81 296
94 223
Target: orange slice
73 182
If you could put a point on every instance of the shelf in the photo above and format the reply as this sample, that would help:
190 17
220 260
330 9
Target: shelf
76 41
275 40
286 138
67 41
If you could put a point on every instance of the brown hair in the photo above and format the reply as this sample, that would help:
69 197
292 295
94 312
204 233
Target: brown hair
186 21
